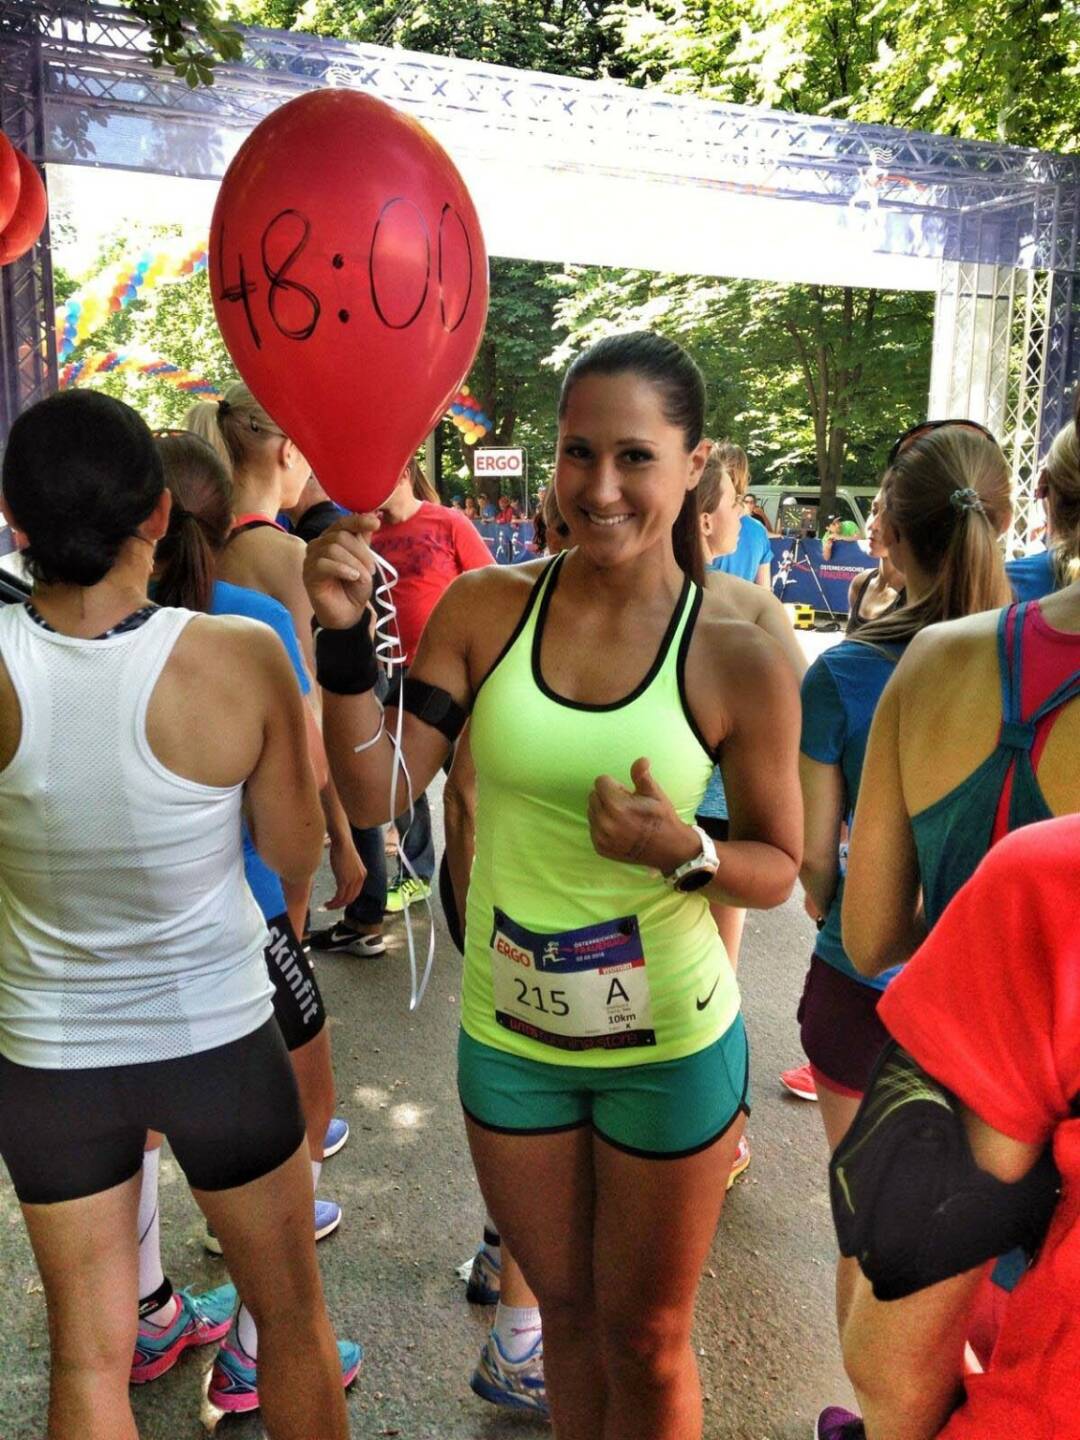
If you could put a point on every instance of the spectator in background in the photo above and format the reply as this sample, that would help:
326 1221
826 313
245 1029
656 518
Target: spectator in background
455 502
488 510
472 510
505 515
878 592
752 557
837 529
754 510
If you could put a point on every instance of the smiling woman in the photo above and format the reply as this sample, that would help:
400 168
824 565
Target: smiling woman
656 381
601 1041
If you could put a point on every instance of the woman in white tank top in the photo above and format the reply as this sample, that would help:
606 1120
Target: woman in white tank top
133 992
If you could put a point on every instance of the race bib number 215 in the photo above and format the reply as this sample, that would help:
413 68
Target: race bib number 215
581 989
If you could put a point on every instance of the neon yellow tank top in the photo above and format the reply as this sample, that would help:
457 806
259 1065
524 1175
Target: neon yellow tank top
570 958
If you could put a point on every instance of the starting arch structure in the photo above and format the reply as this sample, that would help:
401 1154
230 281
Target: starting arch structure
570 170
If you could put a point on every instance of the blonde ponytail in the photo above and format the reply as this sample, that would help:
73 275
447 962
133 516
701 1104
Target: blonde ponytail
237 426
949 495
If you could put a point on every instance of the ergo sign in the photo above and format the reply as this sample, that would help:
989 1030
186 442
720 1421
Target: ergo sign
499 462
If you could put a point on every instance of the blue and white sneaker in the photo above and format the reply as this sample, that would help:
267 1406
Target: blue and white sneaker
337 1133
233 1379
517 1384
327 1220
200 1320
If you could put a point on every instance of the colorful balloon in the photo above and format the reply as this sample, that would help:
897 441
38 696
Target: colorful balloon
27 220
345 246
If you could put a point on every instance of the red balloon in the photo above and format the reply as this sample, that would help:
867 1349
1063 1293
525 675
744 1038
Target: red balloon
9 179
27 220
346 258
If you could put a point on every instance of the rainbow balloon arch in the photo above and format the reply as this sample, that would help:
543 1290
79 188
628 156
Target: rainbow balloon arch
136 362
117 287
127 280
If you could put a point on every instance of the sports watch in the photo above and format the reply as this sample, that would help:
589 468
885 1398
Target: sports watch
699 870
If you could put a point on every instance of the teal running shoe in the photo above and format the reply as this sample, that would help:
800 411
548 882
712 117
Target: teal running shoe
233 1381
200 1320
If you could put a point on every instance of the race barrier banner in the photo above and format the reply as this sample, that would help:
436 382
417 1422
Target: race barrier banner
796 583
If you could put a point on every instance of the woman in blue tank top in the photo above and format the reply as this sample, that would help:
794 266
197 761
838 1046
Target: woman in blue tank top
944 504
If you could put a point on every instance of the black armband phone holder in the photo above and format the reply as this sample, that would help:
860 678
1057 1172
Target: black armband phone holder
429 703
909 1201
345 662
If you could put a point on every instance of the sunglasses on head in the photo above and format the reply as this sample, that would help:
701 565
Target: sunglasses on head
926 427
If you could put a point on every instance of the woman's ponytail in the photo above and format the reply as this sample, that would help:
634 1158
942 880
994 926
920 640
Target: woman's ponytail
686 539
199 523
186 564
949 495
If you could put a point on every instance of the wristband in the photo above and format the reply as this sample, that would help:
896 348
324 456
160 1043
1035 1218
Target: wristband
429 703
345 662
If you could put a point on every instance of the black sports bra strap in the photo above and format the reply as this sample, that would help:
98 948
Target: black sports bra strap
248 525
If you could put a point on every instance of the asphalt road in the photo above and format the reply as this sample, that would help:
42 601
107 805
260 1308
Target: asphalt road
765 1334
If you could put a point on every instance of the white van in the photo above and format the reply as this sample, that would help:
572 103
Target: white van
794 509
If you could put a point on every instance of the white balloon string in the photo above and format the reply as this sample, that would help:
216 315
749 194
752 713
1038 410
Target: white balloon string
389 648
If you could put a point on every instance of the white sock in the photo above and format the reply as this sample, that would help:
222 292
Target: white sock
151 1274
316 1171
518 1328
246 1332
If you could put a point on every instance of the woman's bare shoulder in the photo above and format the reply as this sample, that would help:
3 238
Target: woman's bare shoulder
948 644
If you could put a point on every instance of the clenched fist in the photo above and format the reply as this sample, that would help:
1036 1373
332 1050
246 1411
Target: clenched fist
339 571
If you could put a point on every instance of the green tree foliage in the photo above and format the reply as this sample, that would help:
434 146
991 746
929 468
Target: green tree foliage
509 378
789 371
1001 70
986 69
189 35
563 37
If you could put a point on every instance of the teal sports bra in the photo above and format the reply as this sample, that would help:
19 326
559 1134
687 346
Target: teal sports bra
954 833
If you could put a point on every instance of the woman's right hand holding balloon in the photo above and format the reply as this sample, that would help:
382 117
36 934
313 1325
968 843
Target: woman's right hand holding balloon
339 571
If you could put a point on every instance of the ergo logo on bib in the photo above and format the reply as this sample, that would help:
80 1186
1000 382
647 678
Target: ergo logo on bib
506 947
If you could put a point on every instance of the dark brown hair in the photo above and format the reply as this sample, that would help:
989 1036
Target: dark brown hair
80 476
667 367
199 523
